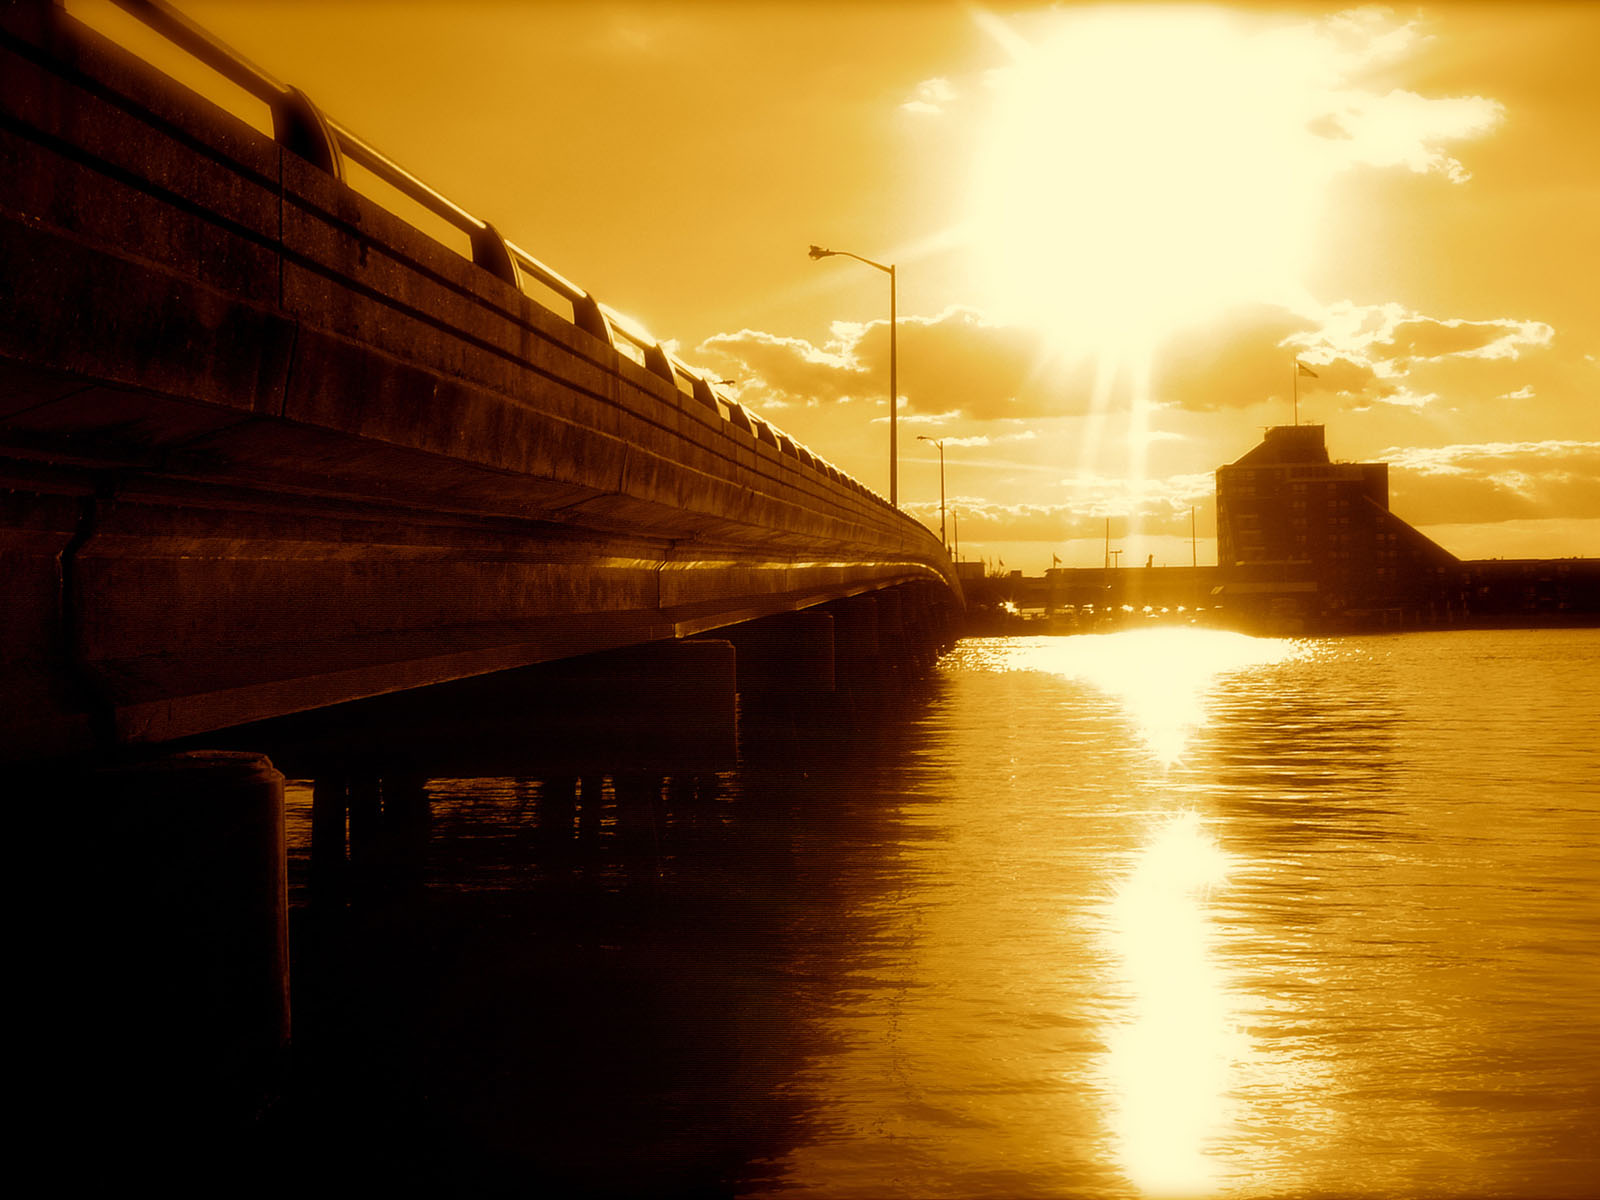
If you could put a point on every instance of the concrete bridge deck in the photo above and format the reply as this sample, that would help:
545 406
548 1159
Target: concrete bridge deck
266 447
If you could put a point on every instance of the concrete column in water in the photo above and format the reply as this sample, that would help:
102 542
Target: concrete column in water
791 654
366 816
914 624
855 637
858 663
175 1004
891 627
330 867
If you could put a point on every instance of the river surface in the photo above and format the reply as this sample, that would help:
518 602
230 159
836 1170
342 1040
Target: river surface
1173 912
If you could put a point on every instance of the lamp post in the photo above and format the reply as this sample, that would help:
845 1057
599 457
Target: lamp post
939 442
894 384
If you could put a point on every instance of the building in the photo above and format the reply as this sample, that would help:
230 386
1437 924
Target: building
1306 544
1303 538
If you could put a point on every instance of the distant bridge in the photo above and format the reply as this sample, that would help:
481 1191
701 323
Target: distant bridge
267 447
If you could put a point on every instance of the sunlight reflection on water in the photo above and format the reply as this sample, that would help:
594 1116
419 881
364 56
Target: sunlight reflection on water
1160 675
1170 1058
1176 1052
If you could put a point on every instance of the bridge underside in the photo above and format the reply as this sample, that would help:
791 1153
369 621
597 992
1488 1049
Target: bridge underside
265 447
169 607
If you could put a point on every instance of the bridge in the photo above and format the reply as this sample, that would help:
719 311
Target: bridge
286 434
267 446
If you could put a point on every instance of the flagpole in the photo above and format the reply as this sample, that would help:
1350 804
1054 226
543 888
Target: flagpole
1294 373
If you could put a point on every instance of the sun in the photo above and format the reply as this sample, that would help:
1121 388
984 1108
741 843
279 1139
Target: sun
1144 168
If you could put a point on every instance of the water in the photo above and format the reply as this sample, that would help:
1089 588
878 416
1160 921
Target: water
1173 912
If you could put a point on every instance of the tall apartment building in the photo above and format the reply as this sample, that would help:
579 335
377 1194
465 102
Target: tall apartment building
1289 517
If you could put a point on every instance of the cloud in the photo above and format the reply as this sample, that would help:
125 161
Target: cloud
1103 496
792 369
1363 355
1361 126
1495 481
1388 354
1403 129
1234 362
931 97
1159 507
990 521
955 364
1419 337
960 365
1246 358
984 439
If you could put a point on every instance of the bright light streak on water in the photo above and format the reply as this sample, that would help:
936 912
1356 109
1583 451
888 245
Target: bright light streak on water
1160 675
1171 1053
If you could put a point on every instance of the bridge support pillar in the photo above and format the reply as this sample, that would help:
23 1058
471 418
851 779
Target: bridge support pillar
858 657
921 637
892 646
788 655
913 624
329 866
165 991
855 637
366 831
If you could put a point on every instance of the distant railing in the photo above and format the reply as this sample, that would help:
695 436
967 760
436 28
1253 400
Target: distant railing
302 128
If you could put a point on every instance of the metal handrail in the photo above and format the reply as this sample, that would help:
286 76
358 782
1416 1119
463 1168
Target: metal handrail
707 393
199 41
300 126
656 359
587 314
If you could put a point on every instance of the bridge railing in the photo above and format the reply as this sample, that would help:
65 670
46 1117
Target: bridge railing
301 127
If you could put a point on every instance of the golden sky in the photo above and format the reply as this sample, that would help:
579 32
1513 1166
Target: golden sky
1114 227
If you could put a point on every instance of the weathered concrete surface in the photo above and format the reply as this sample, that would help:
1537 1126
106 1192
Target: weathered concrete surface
265 447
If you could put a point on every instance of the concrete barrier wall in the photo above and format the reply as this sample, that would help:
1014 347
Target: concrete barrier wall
166 247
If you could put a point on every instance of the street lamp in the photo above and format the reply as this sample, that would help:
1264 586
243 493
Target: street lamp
939 442
894 386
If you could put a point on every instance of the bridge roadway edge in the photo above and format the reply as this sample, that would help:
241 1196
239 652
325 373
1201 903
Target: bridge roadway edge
265 447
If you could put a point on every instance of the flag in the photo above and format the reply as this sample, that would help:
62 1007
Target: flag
1305 370
1055 560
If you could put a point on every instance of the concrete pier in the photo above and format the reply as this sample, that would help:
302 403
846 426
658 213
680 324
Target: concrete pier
788 654
894 653
165 987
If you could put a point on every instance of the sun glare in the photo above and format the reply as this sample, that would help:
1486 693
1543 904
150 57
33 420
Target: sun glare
1142 169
